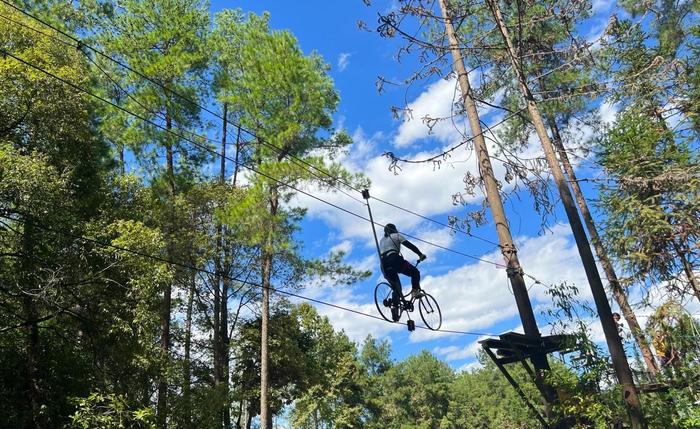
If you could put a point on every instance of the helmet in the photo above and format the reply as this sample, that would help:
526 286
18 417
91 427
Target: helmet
389 228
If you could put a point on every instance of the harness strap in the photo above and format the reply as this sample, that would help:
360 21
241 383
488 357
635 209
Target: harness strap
388 252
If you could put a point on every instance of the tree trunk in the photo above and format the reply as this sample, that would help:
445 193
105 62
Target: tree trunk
32 366
248 417
224 345
617 290
617 353
162 405
221 307
239 416
122 165
514 270
218 371
267 256
224 127
264 365
186 363
31 315
236 167
687 269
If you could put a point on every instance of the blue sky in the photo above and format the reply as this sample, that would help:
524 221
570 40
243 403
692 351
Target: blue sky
474 296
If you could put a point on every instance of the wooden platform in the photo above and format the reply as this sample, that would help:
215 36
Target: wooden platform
514 347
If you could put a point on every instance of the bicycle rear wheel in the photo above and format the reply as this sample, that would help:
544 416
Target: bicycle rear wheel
383 300
430 312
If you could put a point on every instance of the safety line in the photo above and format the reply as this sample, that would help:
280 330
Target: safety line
278 181
236 279
80 43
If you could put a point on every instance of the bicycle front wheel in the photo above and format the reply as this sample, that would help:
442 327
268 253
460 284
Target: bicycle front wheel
383 300
430 312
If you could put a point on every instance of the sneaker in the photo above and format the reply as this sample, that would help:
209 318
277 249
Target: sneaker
395 314
417 293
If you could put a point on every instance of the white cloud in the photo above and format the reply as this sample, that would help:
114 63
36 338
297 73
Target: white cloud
434 184
435 102
355 326
473 297
343 60
470 366
608 113
451 353
344 246
600 6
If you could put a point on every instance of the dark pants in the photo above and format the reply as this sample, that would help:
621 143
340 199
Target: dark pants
393 265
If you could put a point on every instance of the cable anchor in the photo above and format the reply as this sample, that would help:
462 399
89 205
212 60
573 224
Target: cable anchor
513 271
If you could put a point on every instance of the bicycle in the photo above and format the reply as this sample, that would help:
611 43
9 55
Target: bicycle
428 307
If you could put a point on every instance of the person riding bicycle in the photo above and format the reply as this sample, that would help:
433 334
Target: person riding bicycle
393 262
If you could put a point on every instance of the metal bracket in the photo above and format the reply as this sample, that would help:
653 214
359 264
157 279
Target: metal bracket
512 272
516 386
509 249
513 347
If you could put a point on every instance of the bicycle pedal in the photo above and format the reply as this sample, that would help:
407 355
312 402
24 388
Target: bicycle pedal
411 325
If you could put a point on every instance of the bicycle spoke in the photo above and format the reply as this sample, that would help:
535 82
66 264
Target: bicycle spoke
430 312
383 299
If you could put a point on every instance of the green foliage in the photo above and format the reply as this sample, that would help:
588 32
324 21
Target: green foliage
109 411
652 203
81 318
375 356
482 398
675 335
41 115
416 393
289 355
580 393
337 393
165 40
275 68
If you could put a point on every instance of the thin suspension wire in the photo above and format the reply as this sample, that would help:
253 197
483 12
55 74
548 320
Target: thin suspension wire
80 43
161 116
448 226
248 167
236 279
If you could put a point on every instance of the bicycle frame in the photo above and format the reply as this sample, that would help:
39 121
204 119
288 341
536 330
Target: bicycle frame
404 295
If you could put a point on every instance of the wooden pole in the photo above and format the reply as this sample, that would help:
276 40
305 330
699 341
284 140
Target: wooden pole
613 282
514 270
617 353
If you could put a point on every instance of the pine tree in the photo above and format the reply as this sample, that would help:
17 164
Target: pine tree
165 40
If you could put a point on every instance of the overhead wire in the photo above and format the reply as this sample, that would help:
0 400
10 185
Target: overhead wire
246 166
233 278
79 43
132 97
